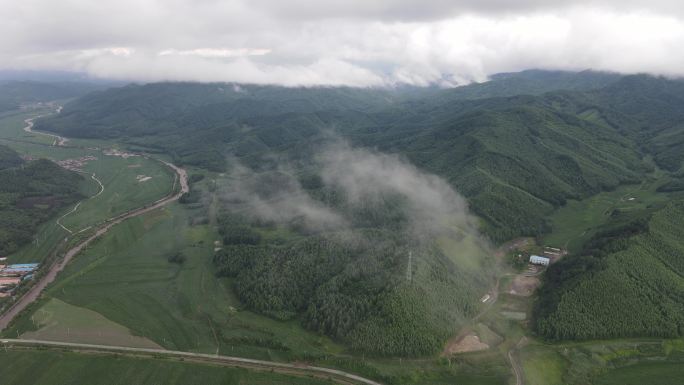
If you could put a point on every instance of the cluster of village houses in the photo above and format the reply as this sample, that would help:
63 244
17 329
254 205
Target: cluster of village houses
12 275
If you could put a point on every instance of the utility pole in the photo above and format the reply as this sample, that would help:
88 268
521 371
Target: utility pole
409 268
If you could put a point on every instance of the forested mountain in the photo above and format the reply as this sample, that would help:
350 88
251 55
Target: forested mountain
517 147
30 193
371 264
531 82
655 107
515 158
9 158
14 93
629 284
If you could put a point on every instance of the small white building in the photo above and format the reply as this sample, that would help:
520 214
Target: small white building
537 260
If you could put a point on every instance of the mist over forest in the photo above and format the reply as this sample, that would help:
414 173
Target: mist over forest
356 217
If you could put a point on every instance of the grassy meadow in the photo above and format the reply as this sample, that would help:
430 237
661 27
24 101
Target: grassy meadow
59 321
60 368
123 190
604 362
576 222
644 373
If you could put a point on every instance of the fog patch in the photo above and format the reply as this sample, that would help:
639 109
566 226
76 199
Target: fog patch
277 196
399 196
432 205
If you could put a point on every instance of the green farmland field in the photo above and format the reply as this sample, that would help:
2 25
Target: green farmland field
60 368
542 366
59 321
128 183
576 222
11 127
126 277
644 373
123 191
611 362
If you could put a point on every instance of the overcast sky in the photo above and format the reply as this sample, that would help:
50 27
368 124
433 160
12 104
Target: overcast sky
339 42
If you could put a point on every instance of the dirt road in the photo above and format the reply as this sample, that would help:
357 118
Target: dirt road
59 140
39 286
59 220
517 369
337 376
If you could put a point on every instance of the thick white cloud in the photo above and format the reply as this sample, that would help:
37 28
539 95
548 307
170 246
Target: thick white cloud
339 42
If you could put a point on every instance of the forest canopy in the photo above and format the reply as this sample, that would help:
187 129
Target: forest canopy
30 193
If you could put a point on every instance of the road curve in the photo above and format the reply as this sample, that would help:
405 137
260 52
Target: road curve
59 140
517 369
35 290
340 376
102 188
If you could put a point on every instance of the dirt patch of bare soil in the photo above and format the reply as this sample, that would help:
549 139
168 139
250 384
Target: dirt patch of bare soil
515 244
468 343
524 286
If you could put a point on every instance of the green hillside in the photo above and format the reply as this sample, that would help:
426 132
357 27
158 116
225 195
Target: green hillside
9 158
626 283
358 293
516 164
30 193
374 266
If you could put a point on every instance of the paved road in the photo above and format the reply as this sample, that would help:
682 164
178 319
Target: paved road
302 369
38 287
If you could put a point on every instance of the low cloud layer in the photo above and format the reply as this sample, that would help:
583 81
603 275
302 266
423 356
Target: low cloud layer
431 204
422 206
277 196
335 42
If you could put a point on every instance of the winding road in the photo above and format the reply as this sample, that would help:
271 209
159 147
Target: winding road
59 140
515 364
59 220
34 292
